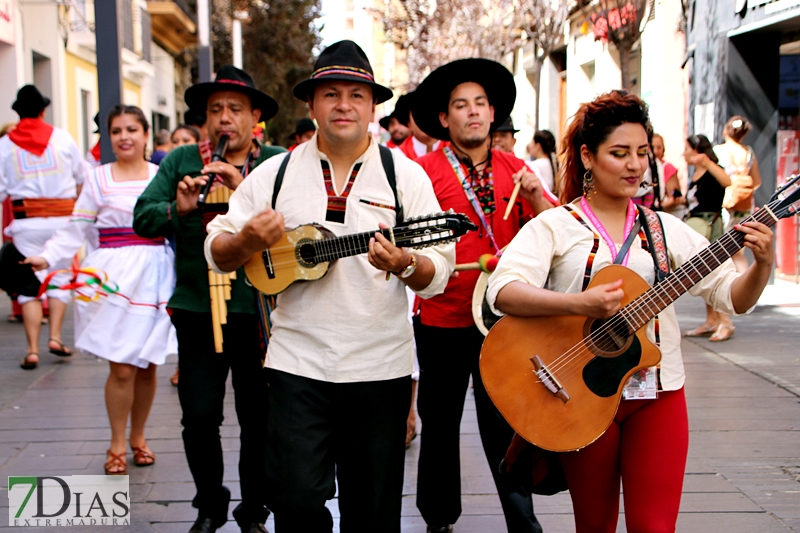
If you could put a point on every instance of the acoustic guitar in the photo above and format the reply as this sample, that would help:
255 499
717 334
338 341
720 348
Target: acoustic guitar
558 380
306 252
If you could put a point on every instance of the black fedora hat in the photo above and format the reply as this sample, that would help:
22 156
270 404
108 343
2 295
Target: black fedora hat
433 94
508 125
230 78
401 108
303 125
29 102
342 61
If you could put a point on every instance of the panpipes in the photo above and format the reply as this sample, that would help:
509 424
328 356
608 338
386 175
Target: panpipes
219 285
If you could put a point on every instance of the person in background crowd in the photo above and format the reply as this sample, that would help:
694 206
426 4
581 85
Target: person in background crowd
182 135
418 143
398 132
185 134
503 137
198 120
544 272
706 192
338 399
128 327
162 146
41 170
93 155
460 102
169 207
740 163
542 150
8 218
673 201
303 132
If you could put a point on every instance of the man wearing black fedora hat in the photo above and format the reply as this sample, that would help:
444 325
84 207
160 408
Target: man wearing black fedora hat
398 132
503 136
418 143
303 132
168 207
460 102
340 356
41 170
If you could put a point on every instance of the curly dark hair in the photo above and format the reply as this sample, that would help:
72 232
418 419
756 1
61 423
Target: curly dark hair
591 126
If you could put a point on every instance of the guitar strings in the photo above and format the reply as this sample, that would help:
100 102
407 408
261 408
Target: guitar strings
568 367
569 359
340 246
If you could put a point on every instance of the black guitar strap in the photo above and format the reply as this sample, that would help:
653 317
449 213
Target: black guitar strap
388 167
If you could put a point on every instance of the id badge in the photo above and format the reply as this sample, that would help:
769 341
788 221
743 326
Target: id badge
642 385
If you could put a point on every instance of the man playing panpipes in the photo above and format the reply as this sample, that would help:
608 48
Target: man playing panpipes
169 208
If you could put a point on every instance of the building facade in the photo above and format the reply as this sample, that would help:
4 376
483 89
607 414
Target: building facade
52 45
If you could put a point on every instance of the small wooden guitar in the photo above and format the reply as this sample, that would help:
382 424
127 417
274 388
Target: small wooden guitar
306 252
558 380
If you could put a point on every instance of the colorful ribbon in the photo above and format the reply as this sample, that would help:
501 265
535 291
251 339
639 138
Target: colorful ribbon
96 277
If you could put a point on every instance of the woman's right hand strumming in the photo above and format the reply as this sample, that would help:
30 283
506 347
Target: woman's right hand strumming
520 299
38 263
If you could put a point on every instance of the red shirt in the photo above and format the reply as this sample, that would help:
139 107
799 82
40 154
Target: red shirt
453 308
391 144
407 147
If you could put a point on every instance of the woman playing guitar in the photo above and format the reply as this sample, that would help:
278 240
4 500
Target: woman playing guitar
545 271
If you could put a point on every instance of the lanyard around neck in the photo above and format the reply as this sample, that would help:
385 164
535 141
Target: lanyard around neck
476 205
630 220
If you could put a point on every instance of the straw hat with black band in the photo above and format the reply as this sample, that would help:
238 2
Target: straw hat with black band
230 78
433 95
342 61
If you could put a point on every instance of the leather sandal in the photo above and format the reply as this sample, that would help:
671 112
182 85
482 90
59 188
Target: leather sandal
143 456
62 350
115 464
29 365
702 331
723 333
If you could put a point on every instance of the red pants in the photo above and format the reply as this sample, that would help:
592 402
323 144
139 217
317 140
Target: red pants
645 446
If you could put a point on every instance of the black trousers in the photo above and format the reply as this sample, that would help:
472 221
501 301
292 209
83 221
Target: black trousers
201 389
447 357
354 432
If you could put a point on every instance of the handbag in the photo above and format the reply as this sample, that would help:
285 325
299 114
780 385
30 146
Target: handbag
739 194
704 225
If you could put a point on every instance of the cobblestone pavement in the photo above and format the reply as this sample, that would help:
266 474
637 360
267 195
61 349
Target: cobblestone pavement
744 459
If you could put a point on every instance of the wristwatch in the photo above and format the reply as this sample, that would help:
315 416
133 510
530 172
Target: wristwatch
407 271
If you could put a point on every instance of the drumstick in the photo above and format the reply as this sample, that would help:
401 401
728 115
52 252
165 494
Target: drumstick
512 200
468 266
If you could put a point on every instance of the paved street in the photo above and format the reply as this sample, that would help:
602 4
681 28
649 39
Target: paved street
744 408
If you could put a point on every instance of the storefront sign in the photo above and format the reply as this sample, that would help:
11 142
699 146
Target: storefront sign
7 12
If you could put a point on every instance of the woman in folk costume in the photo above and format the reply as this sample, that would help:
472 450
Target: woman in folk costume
545 272
130 326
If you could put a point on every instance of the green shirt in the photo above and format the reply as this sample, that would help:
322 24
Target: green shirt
156 215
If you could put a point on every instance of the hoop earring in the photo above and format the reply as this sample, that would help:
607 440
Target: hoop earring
588 183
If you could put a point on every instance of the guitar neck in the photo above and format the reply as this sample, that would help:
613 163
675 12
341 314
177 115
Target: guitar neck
644 308
354 244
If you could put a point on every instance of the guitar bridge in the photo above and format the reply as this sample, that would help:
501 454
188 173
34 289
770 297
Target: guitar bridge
548 379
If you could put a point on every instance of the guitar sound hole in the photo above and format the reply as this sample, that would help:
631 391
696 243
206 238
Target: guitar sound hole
306 253
607 338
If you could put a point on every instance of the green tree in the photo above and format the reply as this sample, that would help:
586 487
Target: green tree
279 39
